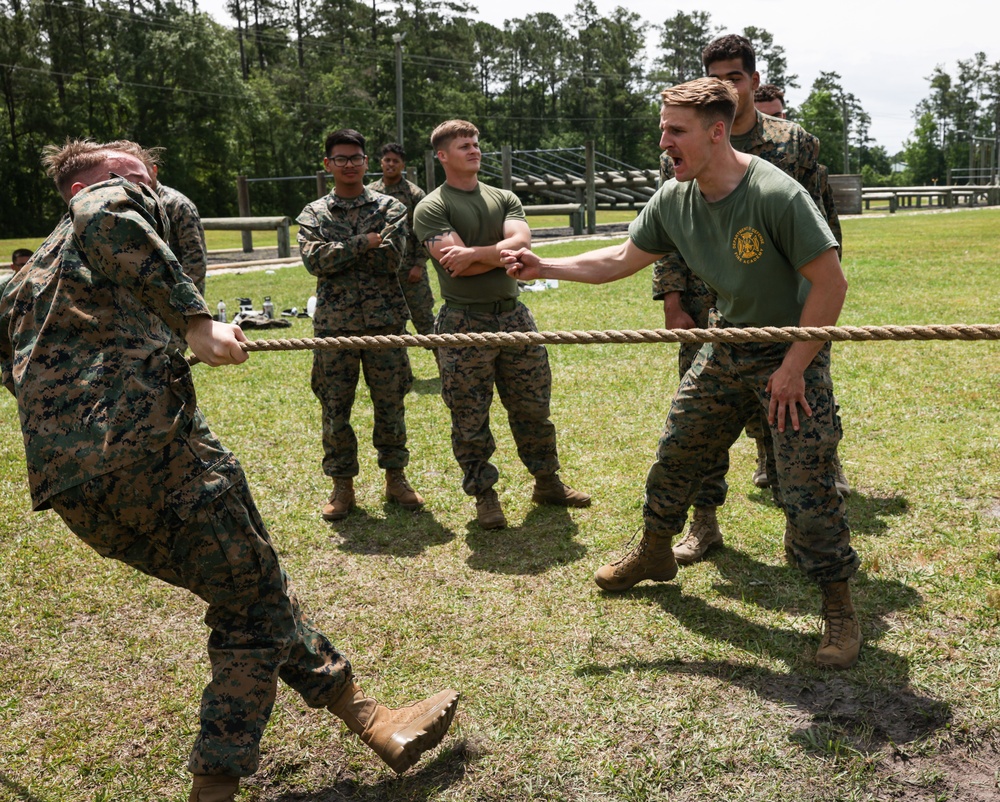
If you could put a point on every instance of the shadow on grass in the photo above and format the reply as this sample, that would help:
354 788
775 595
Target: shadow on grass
781 587
429 386
847 709
426 781
867 514
401 533
20 793
546 538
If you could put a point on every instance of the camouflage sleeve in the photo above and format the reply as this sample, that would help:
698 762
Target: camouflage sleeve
323 256
670 274
829 207
417 251
395 232
118 226
188 234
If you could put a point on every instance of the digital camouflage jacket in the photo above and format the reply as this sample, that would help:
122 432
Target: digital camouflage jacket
357 288
187 235
84 332
409 194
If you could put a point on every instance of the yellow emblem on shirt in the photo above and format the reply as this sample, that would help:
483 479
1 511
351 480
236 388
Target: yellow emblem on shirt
748 245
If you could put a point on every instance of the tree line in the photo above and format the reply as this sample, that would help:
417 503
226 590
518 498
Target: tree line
257 98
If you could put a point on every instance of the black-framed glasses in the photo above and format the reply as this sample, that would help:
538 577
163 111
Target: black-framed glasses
342 161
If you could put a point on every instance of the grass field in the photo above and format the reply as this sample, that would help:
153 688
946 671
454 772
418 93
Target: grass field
698 689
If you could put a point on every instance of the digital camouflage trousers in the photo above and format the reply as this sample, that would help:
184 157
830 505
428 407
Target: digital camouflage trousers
185 515
725 387
523 381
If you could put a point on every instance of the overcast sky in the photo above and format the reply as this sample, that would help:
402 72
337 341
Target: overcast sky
883 49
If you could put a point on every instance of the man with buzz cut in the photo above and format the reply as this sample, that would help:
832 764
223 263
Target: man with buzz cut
756 238
687 299
465 224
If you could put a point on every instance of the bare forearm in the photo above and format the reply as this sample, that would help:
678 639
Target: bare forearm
821 308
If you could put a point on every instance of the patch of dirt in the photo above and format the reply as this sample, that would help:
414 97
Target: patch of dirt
959 773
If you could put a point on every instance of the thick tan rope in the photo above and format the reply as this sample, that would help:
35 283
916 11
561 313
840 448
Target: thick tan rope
769 334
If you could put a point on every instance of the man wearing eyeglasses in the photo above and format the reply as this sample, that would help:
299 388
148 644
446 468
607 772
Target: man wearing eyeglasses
353 241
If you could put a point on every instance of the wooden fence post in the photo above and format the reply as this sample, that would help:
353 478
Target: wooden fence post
321 183
243 201
429 170
591 190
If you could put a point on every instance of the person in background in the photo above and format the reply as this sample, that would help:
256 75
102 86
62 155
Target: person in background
770 100
413 276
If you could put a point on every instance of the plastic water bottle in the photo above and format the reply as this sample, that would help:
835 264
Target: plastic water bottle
268 308
221 316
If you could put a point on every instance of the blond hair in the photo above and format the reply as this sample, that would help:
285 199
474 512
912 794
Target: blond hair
452 129
63 163
711 98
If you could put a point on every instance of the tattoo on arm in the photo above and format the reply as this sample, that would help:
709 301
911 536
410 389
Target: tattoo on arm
430 242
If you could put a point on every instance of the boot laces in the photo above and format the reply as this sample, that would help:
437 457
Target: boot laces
837 622
636 553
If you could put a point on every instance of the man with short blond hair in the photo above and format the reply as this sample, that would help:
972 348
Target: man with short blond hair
687 300
756 238
465 224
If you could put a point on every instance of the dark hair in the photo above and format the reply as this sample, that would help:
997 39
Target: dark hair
769 92
732 45
343 136
392 147
20 252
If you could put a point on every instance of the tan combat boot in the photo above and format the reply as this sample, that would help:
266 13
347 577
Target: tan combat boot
397 489
397 736
550 490
703 534
760 477
341 500
489 513
651 559
841 632
214 788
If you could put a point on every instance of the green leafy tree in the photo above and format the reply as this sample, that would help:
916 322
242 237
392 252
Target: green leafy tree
925 160
682 39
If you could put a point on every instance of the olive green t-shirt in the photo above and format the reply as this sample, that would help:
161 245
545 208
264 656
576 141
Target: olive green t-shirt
748 247
478 217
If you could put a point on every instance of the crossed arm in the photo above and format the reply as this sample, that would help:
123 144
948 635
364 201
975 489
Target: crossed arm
459 259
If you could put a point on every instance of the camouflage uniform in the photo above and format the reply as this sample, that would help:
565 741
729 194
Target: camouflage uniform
727 384
784 144
358 293
186 240
419 297
115 444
